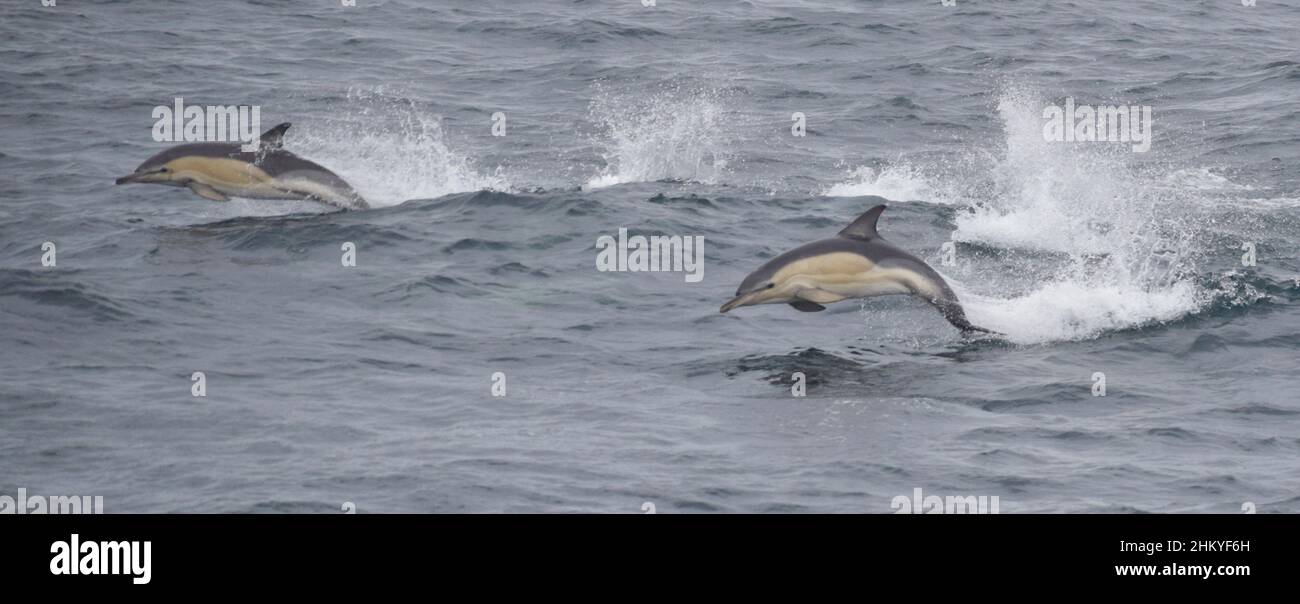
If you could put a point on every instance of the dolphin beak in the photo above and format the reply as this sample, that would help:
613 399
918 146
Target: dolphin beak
737 301
129 178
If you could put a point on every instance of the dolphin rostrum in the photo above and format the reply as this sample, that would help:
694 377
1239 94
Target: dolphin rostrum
218 171
856 263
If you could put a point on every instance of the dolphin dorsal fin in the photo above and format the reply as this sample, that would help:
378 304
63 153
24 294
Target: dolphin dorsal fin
865 226
271 139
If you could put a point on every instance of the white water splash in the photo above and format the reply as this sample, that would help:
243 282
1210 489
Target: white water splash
1203 179
1120 242
901 182
391 151
1076 310
673 133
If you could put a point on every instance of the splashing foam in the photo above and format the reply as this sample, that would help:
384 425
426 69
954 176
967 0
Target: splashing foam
1073 310
896 183
1203 179
391 151
671 134
1123 253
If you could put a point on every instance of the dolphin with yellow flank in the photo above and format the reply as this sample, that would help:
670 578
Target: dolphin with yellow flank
219 171
856 263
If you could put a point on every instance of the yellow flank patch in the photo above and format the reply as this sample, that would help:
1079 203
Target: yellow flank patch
836 266
820 296
220 171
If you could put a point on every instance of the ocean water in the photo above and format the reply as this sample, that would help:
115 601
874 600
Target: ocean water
373 385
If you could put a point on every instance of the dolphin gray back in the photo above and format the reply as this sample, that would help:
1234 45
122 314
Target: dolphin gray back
229 150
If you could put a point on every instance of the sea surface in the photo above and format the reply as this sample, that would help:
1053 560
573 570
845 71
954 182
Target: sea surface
372 385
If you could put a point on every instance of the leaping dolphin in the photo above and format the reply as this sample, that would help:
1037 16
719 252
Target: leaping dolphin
218 171
856 263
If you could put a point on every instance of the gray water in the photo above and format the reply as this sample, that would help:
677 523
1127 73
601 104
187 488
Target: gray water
373 384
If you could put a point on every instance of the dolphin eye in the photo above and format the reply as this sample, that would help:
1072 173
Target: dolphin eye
770 286
164 169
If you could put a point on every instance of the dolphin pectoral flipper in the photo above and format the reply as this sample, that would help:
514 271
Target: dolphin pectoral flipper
207 192
806 306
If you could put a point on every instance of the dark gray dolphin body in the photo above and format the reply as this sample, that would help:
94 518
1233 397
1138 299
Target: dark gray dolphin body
219 171
856 263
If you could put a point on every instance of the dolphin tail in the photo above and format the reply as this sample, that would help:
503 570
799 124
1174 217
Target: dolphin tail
955 314
969 329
